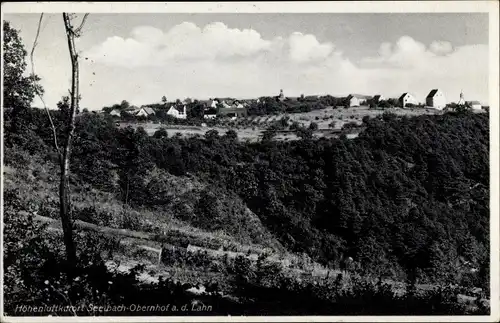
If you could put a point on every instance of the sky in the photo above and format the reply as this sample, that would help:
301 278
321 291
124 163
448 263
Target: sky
142 57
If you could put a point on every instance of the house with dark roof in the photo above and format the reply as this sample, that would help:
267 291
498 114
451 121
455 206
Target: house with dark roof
407 98
435 99
177 111
145 112
475 105
355 100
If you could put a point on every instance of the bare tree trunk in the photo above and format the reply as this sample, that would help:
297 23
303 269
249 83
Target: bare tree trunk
126 191
64 194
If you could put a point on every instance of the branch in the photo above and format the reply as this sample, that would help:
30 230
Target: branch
37 92
77 30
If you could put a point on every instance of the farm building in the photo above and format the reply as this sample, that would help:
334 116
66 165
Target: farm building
377 98
145 111
475 105
354 100
407 98
175 112
436 99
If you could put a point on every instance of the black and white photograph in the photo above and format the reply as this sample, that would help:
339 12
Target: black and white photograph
229 161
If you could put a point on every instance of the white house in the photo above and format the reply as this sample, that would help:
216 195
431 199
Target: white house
475 105
144 112
354 100
436 99
115 112
174 112
407 98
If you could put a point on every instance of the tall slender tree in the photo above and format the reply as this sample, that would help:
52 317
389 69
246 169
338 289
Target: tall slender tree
64 191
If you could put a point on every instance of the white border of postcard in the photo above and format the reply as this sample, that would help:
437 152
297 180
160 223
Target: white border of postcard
491 7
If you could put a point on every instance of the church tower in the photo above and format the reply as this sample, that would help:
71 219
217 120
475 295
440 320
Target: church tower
462 100
281 97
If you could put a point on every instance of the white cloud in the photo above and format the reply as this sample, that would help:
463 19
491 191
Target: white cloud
152 47
306 47
216 60
406 53
409 66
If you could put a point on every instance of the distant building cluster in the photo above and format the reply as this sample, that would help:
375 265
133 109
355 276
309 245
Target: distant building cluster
226 107
436 100
139 112
234 108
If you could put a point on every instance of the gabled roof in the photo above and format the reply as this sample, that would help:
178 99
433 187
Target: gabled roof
432 93
359 96
378 96
179 108
115 111
403 95
149 110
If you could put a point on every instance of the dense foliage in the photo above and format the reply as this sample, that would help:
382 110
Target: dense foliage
18 89
35 276
409 196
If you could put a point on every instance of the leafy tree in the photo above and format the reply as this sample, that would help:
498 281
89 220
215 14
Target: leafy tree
18 89
124 105
212 136
160 133
384 104
197 110
231 135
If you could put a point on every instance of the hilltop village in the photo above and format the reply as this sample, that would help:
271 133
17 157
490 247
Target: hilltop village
236 108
